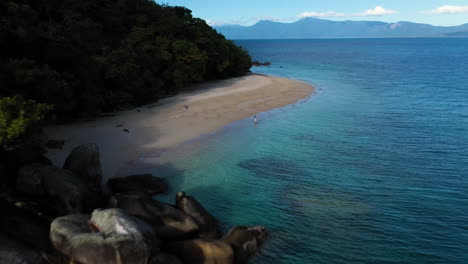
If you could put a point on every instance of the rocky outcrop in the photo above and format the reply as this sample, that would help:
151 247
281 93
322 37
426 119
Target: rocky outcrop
13 252
27 229
256 63
245 241
109 236
164 258
144 183
137 230
208 224
16 158
84 161
168 222
60 190
202 251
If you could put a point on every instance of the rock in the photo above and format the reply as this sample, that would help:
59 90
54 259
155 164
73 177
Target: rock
13 252
30 179
168 222
256 63
110 236
64 192
163 258
24 225
16 158
115 222
201 251
207 223
3 170
55 144
144 183
27 230
245 241
85 162
66 229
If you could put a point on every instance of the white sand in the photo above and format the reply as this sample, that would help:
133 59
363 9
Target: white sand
174 120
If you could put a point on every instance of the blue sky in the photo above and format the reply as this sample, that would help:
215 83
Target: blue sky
248 12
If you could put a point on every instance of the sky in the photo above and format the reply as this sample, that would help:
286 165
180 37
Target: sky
248 12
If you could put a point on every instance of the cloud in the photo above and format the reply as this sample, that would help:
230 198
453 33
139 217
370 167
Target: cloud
270 18
447 9
320 14
214 23
378 11
247 20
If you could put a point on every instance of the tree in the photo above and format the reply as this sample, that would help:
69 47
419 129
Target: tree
17 117
86 56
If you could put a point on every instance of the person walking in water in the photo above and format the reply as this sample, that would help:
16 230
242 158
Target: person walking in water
255 119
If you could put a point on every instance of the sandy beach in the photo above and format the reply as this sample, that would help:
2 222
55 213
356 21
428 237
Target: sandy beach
125 137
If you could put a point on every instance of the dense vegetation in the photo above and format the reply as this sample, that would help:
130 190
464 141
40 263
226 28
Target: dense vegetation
17 119
86 56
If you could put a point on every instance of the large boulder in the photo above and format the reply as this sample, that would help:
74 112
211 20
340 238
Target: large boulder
245 241
14 252
30 179
3 173
164 258
143 183
168 222
109 237
16 158
202 251
28 229
208 224
84 161
59 189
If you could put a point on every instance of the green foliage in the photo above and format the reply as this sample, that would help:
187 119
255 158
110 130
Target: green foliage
85 56
17 116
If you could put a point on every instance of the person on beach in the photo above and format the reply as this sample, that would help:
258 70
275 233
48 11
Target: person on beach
255 120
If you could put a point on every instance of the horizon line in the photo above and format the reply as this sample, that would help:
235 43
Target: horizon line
316 18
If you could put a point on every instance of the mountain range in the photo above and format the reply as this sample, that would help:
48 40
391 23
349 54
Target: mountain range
321 28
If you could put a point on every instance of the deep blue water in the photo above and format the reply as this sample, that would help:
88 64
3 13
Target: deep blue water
372 168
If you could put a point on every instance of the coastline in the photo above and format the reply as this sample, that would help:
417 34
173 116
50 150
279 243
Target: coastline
206 108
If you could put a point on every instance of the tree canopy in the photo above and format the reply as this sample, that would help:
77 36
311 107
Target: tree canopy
85 56
17 117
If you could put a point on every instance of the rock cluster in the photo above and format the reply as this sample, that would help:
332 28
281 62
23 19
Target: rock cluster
256 63
61 215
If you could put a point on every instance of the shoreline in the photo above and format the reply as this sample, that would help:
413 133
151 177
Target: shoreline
203 109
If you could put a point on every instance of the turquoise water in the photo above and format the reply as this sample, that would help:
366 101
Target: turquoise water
372 168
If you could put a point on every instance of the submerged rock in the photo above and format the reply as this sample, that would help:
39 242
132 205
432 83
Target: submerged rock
245 241
144 183
110 236
168 222
84 161
208 224
202 251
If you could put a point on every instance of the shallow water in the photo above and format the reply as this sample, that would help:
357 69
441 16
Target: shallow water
372 168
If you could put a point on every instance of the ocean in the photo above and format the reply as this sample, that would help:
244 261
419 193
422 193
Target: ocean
371 168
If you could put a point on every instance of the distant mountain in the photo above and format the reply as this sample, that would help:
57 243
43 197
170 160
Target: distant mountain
321 28
458 34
